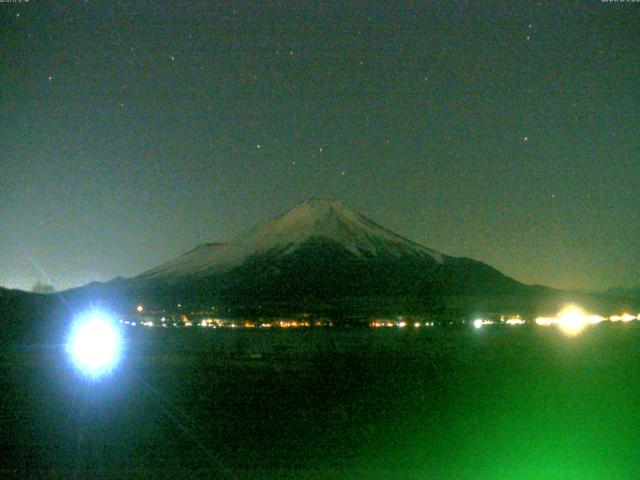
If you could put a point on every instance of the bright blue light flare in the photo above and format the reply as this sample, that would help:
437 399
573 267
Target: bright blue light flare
95 344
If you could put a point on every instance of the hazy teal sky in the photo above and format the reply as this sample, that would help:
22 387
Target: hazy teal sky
502 131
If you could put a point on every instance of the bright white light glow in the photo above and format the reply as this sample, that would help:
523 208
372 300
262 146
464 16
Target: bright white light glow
572 320
95 344
479 322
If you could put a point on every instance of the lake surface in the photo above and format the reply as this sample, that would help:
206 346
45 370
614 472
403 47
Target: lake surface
499 402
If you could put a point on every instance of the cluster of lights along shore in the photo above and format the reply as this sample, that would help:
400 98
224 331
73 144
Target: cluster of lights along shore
571 320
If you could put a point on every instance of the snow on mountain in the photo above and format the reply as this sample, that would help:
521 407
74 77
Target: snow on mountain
316 218
204 257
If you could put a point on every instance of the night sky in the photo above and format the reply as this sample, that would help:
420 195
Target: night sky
502 131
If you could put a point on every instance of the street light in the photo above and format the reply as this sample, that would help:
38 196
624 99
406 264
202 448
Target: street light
94 344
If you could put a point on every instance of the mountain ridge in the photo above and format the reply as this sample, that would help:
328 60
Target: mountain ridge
320 259
319 253
313 218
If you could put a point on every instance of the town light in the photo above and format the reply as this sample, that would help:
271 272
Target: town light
94 343
480 322
544 321
515 321
572 320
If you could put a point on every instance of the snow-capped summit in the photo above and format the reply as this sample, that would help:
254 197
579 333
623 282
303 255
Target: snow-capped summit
331 220
321 257
316 219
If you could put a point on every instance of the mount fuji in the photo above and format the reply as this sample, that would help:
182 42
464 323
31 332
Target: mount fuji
319 258
320 253
318 221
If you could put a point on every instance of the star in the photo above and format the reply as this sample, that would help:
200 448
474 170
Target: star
525 139
258 146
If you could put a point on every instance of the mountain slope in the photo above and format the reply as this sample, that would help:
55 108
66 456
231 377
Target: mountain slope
624 292
316 218
320 252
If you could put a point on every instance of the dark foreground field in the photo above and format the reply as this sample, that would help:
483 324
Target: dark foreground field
522 403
